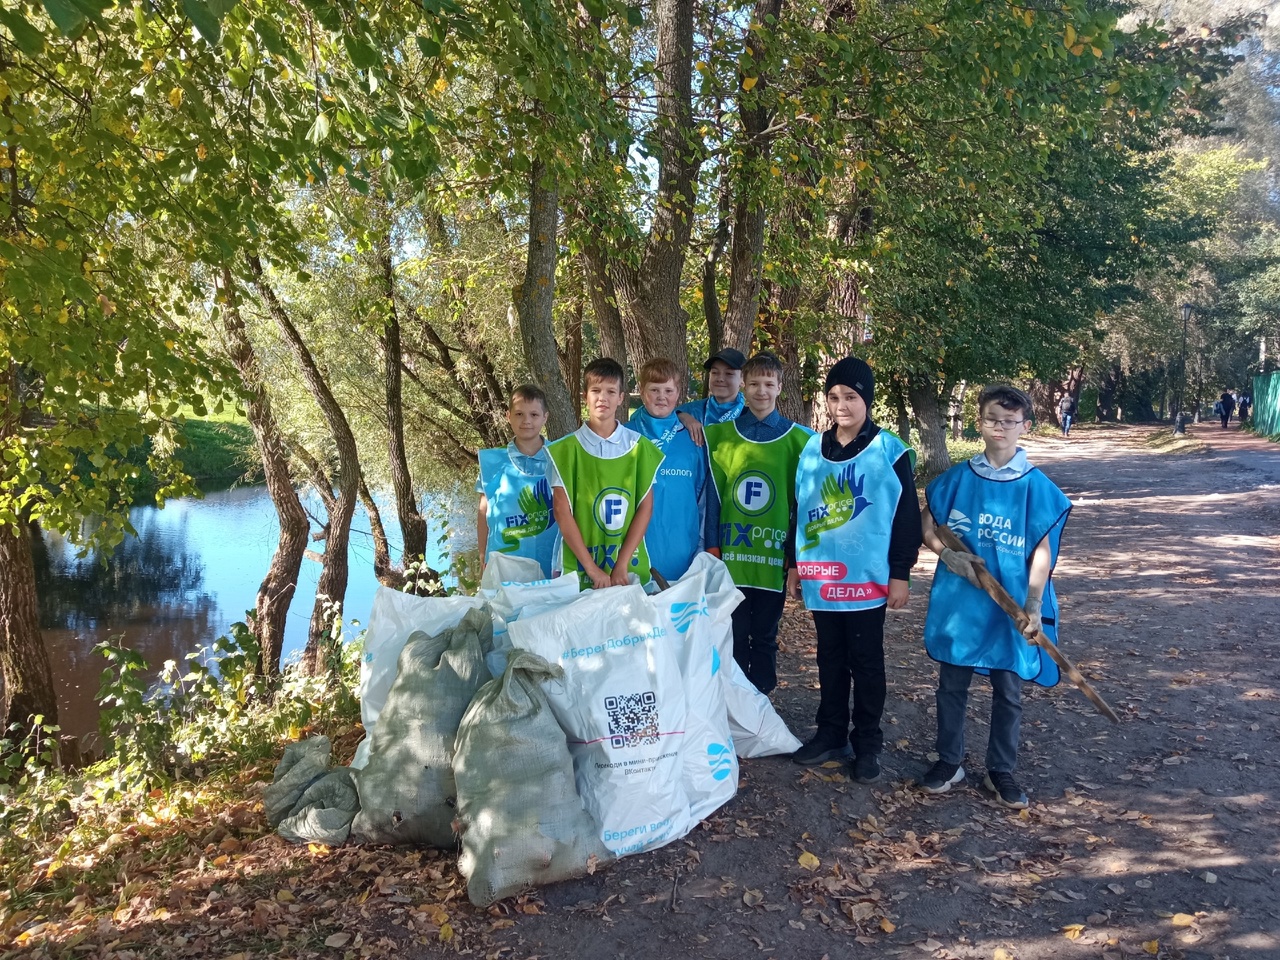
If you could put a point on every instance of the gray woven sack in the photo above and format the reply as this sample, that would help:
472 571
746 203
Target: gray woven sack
303 764
521 819
407 789
324 812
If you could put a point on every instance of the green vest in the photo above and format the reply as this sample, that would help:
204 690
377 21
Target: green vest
603 495
757 487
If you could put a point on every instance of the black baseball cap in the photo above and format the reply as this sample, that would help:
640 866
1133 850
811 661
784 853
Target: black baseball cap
728 356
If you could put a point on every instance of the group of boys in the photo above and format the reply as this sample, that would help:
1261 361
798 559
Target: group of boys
830 518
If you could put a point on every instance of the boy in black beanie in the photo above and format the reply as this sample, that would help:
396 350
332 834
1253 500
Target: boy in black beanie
858 535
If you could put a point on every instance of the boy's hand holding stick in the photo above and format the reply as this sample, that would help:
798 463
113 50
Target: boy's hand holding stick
1006 603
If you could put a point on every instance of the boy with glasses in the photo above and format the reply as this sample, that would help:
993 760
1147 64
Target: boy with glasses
1011 517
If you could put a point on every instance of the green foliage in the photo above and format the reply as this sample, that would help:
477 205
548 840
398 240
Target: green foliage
216 715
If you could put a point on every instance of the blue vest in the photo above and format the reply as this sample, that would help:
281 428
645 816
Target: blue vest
675 532
1001 521
711 410
844 518
520 519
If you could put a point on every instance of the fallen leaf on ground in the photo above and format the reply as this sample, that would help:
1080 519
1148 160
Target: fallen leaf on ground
1152 947
1183 919
337 939
808 861
1072 931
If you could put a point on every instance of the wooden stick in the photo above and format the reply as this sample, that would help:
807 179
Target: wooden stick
998 593
659 579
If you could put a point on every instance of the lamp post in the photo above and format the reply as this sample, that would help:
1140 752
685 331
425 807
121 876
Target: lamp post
1180 420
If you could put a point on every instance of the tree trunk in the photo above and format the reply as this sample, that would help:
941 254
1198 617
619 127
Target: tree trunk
382 569
1108 386
571 355
934 457
955 408
1044 401
750 216
604 304
780 324
651 293
710 266
24 661
413 526
899 404
535 298
332 587
275 593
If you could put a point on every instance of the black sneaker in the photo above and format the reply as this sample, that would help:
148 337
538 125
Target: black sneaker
1006 789
816 751
866 768
941 777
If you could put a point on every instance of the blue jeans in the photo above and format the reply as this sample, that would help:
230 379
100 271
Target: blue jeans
1066 424
1006 716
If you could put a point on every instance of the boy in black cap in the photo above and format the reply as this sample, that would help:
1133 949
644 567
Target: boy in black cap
724 384
858 535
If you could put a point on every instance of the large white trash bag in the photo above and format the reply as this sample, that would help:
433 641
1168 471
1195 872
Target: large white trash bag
710 765
519 813
394 617
512 585
622 706
756 728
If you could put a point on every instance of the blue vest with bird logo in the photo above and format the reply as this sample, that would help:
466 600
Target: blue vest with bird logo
520 519
844 518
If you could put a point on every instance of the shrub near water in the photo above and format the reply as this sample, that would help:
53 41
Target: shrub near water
177 753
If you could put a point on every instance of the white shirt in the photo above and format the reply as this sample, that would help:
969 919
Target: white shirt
617 444
1016 467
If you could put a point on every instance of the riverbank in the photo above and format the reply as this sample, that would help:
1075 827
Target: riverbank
1154 838
216 452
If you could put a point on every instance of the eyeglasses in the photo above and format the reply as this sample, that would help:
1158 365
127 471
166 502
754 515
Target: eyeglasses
1004 424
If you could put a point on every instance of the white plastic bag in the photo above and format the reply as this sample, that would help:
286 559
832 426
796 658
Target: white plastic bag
710 765
622 707
756 728
395 615
512 585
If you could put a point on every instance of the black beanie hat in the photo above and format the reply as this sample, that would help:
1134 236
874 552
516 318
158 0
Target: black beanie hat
856 375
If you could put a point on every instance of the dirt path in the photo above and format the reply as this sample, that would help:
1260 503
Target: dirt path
1158 836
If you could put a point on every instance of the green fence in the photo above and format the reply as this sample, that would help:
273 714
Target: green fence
1266 403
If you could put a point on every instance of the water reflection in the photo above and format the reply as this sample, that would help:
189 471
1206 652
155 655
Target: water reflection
193 570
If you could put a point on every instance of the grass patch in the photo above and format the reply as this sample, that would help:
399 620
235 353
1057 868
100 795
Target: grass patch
214 451
1165 440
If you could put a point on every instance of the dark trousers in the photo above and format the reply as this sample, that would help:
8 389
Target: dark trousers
1226 418
851 653
1006 716
755 636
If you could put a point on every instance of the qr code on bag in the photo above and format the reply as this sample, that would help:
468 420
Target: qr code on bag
633 719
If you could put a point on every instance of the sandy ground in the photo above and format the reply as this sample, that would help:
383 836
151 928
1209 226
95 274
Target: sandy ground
1159 836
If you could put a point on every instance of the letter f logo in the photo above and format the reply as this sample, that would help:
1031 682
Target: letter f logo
613 508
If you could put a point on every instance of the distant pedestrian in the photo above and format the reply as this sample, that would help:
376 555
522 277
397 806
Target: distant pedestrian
1242 413
1067 413
1228 407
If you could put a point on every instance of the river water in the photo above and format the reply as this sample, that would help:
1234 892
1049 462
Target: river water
192 570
